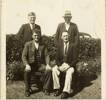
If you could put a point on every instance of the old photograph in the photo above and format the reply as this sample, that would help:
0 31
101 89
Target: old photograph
53 49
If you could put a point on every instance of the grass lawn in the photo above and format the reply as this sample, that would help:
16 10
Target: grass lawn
15 90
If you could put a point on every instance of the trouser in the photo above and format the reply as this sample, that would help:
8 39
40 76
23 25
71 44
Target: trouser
46 78
68 79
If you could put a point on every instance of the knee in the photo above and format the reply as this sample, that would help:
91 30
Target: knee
70 70
49 71
27 71
54 69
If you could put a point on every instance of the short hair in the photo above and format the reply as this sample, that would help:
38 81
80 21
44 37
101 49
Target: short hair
65 31
31 14
37 31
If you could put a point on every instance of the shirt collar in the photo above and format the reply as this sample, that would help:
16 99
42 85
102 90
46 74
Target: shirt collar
67 24
36 45
66 43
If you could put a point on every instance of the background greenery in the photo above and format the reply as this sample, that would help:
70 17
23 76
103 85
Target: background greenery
89 56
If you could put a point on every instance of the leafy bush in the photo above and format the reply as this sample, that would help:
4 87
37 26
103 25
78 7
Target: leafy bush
15 71
14 48
90 48
89 67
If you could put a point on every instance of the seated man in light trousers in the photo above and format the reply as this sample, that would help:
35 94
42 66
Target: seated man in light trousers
66 60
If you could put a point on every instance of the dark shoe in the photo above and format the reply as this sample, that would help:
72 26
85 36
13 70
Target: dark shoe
27 93
57 92
46 92
30 90
64 95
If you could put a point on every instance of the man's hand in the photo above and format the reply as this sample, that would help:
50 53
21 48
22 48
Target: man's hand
64 67
28 68
48 67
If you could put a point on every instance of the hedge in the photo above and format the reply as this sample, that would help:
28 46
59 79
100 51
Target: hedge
90 48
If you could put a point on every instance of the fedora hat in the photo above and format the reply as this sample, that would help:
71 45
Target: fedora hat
67 14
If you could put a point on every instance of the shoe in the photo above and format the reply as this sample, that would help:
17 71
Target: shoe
64 95
57 92
46 92
30 90
71 91
27 93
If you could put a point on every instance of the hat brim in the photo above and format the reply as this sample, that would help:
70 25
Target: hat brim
67 16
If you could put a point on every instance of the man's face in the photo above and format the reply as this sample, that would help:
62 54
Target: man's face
36 37
67 19
32 19
65 37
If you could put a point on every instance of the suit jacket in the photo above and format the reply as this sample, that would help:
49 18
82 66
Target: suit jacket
73 32
25 32
71 57
30 52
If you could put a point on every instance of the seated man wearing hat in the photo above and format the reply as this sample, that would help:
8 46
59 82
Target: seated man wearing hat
25 32
70 27
34 59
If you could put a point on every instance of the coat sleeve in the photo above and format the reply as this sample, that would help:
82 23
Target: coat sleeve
57 34
58 58
74 56
47 58
20 32
25 54
76 35
40 30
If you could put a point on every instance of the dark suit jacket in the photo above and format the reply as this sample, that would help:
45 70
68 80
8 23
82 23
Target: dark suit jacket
71 57
73 32
29 53
25 32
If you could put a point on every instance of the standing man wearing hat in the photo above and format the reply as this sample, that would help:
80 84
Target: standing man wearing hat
68 26
73 39
25 32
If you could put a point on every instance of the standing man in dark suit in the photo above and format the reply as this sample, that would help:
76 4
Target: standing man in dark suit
68 26
66 61
25 32
34 59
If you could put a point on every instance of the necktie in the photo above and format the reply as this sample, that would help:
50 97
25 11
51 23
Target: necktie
66 48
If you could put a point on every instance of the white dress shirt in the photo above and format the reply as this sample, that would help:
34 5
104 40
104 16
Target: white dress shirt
37 45
32 26
67 26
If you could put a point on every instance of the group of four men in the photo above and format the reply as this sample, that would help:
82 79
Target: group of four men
36 59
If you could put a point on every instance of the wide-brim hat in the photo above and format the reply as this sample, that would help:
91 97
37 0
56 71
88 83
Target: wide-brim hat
67 14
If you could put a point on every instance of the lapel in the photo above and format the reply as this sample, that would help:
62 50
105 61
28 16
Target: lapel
40 49
69 30
33 46
29 28
62 48
69 49
64 27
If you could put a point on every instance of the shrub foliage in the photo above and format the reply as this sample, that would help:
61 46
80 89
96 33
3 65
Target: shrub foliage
90 48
